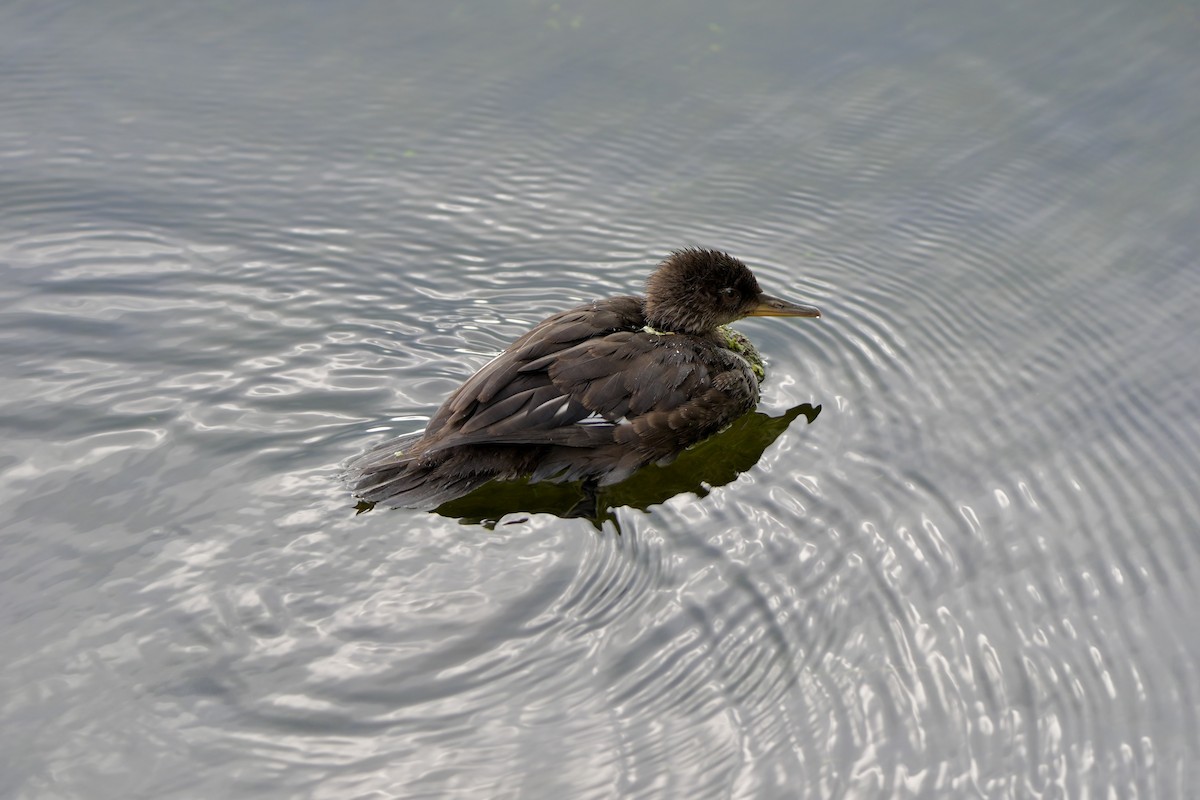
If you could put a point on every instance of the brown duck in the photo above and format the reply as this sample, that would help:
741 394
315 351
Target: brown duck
593 393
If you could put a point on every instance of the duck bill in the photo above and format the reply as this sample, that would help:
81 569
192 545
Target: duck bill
769 306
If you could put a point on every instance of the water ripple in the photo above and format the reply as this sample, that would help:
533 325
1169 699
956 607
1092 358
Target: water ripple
972 577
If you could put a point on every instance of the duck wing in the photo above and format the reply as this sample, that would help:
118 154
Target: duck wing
595 376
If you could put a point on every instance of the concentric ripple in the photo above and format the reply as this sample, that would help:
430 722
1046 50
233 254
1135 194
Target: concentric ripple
240 245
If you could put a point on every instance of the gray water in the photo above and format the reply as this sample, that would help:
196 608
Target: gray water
242 242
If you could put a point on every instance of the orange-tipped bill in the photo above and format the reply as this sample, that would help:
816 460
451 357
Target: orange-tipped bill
769 306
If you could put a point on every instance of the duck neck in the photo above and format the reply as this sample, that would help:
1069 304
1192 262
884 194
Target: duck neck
679 319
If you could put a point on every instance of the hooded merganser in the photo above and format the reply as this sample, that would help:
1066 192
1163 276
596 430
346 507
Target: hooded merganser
593 393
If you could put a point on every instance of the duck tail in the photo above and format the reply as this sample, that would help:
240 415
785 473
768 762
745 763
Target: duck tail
395 473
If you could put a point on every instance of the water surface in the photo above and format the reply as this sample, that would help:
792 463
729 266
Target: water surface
241 244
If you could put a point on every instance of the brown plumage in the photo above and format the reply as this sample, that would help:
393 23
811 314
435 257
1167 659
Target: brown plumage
592 393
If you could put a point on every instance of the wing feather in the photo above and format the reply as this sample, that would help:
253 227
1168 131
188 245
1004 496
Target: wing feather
593 376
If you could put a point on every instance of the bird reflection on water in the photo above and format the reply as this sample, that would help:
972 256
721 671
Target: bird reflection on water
714 462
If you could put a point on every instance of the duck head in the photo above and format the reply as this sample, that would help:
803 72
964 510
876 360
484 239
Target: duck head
696 291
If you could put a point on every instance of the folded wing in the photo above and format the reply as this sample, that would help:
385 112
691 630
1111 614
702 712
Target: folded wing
595 376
